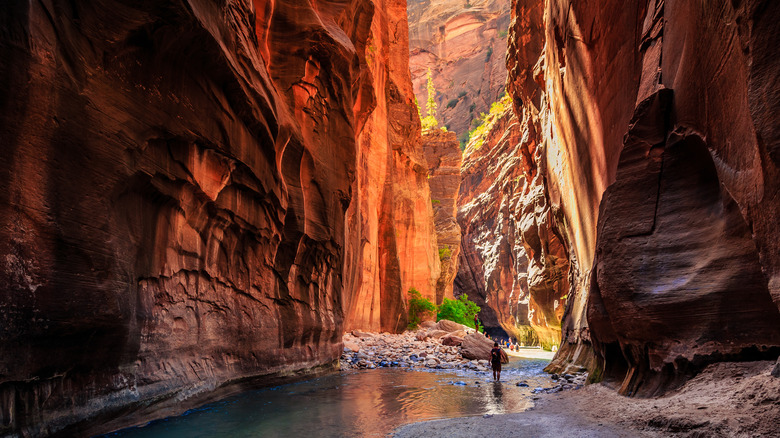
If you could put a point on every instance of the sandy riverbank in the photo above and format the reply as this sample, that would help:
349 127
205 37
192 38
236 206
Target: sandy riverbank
531 353
725 400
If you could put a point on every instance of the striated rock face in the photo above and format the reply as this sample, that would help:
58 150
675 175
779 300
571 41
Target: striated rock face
443 155
464 46
513 260
180 186
672 104
391 238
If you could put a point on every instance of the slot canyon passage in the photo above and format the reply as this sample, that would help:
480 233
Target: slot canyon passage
200 198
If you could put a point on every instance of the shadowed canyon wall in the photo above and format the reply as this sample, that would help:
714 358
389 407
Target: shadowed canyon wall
464 45
189 189
658 124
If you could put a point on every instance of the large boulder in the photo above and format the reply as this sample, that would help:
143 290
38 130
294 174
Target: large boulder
452 326
361 334
428 324
451 340
476 347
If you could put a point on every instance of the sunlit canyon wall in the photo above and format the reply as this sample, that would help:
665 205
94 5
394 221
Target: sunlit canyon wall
198 193
463 43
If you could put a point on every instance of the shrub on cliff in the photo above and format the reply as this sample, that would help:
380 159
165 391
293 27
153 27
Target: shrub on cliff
461 310
419 308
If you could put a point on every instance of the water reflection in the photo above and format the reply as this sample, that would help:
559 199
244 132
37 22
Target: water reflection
362 403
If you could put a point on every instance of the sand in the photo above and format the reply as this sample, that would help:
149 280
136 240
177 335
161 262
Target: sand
725 400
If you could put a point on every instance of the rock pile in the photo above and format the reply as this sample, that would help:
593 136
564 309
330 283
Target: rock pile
434 345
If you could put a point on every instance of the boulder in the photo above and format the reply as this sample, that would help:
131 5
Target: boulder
776 370
476 346
451 340
436 334
360 334
351 346
452 326
428 324
422 335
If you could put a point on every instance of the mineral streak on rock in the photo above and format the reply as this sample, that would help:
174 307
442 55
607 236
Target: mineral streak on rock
176 180
443 154
670 102
464 45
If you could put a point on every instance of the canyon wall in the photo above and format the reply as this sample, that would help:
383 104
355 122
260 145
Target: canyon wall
443 155
463 43
514 264
391 236
658 122
181 184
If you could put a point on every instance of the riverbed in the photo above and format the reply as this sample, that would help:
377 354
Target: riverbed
355 403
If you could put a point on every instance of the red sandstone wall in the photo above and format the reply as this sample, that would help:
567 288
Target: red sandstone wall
669 104
391 240
175 182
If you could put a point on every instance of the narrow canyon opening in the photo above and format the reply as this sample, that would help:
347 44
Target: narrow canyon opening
201 198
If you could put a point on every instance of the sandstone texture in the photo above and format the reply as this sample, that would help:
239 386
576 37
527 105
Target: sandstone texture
443 155
463 43
514 263
655 122
188 192
391 237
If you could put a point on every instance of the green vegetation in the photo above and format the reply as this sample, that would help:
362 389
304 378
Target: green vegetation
429 122
461 310
489 54
463 138
502 33
461 95
445 253
452 103
419 308
472 107
435 201
486 121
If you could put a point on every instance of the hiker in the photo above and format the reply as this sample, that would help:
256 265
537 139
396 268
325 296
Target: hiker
495 361
476 323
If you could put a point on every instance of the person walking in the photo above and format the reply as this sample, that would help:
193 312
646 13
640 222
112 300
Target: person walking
495 361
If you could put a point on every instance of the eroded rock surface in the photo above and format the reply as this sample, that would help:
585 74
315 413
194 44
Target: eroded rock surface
464 45
443 155
670 104
177 179
514 264
391 241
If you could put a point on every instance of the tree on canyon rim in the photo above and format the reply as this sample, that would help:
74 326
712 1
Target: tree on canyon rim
429 122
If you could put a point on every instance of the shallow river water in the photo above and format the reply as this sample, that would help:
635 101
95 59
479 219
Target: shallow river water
354 404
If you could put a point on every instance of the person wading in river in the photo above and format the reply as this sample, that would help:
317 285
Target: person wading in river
495 361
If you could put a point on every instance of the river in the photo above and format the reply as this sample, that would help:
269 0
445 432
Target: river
354 404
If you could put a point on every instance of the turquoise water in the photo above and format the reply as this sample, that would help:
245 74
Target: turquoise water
354 404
